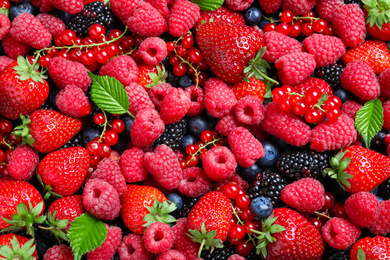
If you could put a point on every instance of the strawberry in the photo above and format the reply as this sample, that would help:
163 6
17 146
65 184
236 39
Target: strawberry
63 172
13 246
254 87
372 52
47 130
359 169
209 220
378 19
371 248
150 76
32 90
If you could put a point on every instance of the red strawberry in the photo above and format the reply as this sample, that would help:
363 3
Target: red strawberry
359 169
254 87
13 246
372 248
378 19
32 90
64 170
150 76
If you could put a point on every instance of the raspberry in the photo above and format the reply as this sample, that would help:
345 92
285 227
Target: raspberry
56 252
279 45
306 195
161 6
249 110
350 108
340 233
245 147
4 62
219 163
298 7
381 226
309 82
14 48
330 136
294 68
326 8
362 208
258 132
123 9
384 82
236 257
132 247
69 6
326 49
270 7
219 99
226 124
53 24
132 165
183 16
360 79
23 163
285 125
163 164
349 23
153 50
27 29
123 68
172 255
197 100
109 246
47 6
386 115
158 237
73 102
182 242
238 5
108 170
147 21
195 182
138 98
101 199
65 72
146 128
175 105
5 25
68 208
158 93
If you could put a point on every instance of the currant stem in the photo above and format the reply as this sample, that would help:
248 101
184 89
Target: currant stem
201 148
104 127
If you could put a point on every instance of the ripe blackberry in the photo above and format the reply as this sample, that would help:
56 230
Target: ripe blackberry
336 254
331 74
267 184
384 190
219 253
188 204
359 2
295 165
92 13
77 140
173 134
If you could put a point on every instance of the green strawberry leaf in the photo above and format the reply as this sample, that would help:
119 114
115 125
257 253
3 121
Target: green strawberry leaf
369 120
208 5
85 234
361 254
378 12
109 94
159 212
16 252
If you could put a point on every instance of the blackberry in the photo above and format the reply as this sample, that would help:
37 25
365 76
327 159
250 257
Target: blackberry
331 74
92 13
173 134
295 165
384 190
359 2
336 254
188 204
267 184
77 140
219 253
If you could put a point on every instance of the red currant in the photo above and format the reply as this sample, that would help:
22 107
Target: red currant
102 56
237 231
312 95
316 223
329 200
94 160
104 150
88 57
4 4
279 95
191 149
269 27
187 40
99 119
171 46
286 105
314 116
128 42
8 155
192 160
110 138
115 34
247 214
179 69
174 60
2 156
283 28
231 190
206 136
288 88
195 55
63 54
300 109
68 36
118 126
44 61
243 201
5 126
248 226
307 29
295 30
332 102
244 249
287 16
333 114
93 147
319 26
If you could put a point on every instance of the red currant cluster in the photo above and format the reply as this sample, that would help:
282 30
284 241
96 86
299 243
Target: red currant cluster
293 25
185 58
7 140
315 105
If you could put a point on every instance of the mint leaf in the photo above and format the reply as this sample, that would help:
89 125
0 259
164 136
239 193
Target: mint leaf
85 234
109 94
208 5
369 120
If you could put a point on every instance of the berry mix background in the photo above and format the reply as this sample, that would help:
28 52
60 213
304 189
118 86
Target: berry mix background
188 130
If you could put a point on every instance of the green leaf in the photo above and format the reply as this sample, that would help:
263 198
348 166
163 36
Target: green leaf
208 5
85 234
361 254
109 94
277 228
369 120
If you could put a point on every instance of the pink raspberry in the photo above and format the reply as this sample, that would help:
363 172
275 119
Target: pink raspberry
362 208
4 62
66 72
101 199
340 233
5 25
298 7
146 128
326 8
73 102
270 7
69 6
158 93
384 82
236 257
138 98
47 6
249 110
245 147
195 182
331 136
158 237
350 108
218 186
238 5
258 132
161 6
123 9
23 163
153 50
386 115
197 100
171 255
306 195
279 45
294 68
184 15
14 48
182 242
109 246
285 125
358 78
53 24
108 170
219 99
226 124
132 165
123 68
56 252
175 105
219 163
132 247
381 226
147 21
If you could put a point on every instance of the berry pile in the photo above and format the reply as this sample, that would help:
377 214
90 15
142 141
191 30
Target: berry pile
195 130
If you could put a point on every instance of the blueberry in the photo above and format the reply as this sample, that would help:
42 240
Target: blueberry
120 146
172 79
175 198
198 124
252 16
185 81
378 144
128 120
261 207
379 198
342 94
64 16
248 174
271 155
263 23
375 191
89 134
187 140
21 7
